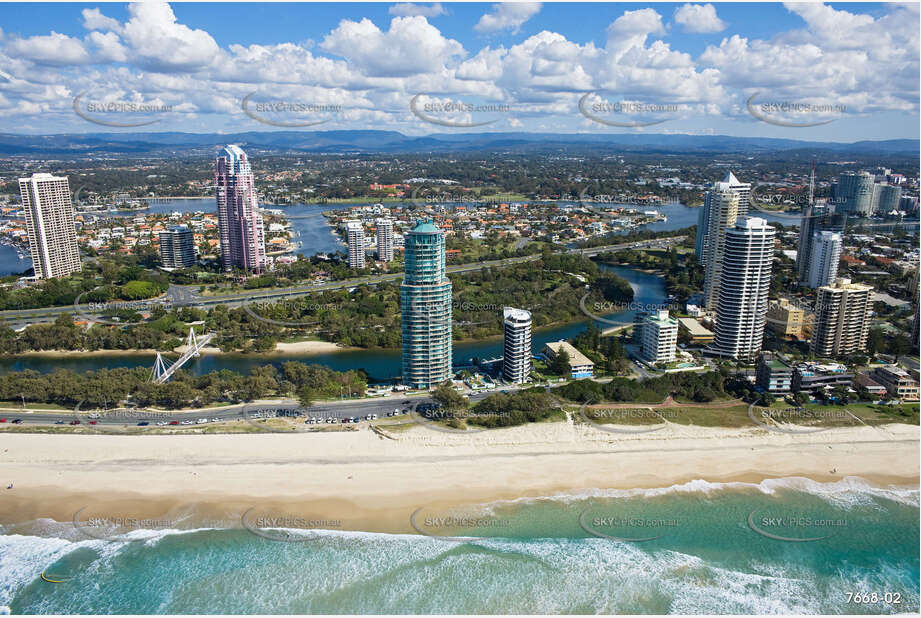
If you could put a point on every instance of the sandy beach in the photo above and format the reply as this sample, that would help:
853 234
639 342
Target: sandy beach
372 481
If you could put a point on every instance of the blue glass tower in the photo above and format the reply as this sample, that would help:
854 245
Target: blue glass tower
425 308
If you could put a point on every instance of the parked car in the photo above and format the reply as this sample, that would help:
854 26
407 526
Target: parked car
174 422
17 421
71 422
91 422
143 424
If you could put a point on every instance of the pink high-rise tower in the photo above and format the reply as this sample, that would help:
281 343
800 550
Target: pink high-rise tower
239 220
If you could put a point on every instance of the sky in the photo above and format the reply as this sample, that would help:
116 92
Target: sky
837 72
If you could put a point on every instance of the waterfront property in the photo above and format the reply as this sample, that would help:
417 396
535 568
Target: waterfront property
425 309
579 364
240 223
516 353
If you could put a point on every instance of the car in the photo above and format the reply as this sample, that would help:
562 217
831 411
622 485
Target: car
367 417
143 424
2 420
94 415
374 417
346 420
357 419
17 421
215 420
396 410
90 423
74 422
202 420
161 423
407 402
58 422
174 422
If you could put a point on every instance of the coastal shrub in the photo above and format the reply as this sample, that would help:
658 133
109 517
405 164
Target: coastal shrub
510 409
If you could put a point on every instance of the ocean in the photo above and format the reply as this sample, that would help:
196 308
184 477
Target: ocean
781 546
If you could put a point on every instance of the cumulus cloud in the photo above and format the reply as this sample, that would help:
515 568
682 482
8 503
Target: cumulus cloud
93 19
411 46
840 56
412 9
507 16
699 18
159 43
53 49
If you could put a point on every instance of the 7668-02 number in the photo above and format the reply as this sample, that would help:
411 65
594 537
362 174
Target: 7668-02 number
890 598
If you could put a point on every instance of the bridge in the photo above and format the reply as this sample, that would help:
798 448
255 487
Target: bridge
193 345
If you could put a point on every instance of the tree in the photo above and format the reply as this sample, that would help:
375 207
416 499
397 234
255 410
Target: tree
449 398
560 364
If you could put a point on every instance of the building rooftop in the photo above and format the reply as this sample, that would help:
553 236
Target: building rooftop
694 327
425 227
518 315
575 356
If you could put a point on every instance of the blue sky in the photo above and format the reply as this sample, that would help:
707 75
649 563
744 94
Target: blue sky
839 72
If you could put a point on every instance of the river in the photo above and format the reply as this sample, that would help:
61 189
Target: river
381 364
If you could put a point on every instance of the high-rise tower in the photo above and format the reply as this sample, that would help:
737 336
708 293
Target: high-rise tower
516 352
842 319
824 257
744 286
50 225
384 240
425 309
722 205
240 223
356 239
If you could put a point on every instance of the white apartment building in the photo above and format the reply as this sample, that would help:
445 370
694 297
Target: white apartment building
356 237
722 209
516 354
660 336
50 225
743 295
384 240
825 255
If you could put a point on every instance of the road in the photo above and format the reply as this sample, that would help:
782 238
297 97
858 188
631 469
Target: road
128 417
179 295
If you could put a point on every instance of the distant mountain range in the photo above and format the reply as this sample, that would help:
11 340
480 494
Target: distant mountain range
383 142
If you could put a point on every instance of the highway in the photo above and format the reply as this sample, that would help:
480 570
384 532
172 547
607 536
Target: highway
179 295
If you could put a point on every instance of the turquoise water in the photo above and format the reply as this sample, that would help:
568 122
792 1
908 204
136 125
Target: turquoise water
526 556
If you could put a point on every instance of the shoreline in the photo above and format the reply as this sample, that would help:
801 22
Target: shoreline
373 482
